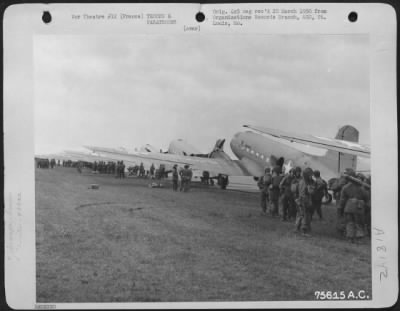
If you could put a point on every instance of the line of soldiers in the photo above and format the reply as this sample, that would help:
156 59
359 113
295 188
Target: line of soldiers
297 195
103 167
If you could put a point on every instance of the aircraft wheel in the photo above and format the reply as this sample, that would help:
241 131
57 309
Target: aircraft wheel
327 199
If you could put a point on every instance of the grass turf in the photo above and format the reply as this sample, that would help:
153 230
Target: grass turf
126 242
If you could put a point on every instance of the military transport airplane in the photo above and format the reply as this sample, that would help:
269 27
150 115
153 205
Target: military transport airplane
262 147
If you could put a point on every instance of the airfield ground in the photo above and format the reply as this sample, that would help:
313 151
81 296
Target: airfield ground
126 242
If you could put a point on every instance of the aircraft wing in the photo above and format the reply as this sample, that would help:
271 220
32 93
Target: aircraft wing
317 141
214 165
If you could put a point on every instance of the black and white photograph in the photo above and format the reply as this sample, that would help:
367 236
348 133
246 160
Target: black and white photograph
215 167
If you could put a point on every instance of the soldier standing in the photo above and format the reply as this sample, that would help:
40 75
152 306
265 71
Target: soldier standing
186 177
305 191
263 183
321 190
152 168
337 187
287 199
141 170
122 171
274 191
79 167
175 177
353 199
294 187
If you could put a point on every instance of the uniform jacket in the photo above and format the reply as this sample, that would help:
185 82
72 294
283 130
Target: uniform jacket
306 190
321 188
186 174
350 191
286 183
175 174
265 181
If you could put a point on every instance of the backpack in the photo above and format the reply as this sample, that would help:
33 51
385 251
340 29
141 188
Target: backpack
354 205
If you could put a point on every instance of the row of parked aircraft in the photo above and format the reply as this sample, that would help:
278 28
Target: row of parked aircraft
256 149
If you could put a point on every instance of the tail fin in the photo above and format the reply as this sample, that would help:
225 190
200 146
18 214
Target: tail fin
339 161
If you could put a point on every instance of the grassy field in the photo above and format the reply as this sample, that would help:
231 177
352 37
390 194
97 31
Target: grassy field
130 243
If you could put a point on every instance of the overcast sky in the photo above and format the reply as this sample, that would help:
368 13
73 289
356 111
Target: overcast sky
127 91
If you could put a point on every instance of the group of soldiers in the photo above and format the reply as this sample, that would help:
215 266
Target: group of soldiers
153 173
46 163
297 196
109 167
139 171
185 174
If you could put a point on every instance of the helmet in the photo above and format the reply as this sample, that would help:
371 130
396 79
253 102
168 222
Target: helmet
317 173
350 172
307 173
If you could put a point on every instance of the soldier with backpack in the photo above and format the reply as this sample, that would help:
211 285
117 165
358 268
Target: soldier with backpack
353 199
321 190
263 184
274 191
287 198
306 188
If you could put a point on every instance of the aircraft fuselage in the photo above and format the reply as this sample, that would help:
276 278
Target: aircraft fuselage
256 152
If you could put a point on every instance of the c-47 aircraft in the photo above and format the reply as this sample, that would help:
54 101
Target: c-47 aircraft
270 147
257 149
